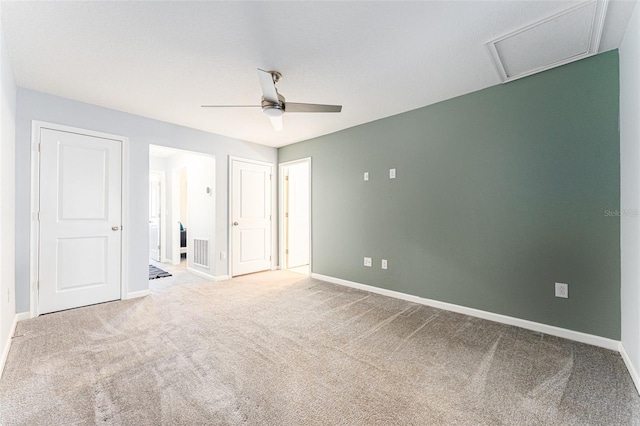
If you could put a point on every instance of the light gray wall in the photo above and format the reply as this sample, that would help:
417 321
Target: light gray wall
7 198
630 186
499 194
141 132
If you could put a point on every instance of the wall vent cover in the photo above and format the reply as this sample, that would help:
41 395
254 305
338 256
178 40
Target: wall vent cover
565 37
201 252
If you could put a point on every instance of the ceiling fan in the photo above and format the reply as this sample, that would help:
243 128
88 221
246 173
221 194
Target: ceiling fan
274 105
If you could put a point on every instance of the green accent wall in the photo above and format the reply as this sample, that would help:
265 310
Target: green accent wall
499 194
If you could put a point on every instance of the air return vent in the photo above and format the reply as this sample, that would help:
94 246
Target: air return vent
201 252
559 39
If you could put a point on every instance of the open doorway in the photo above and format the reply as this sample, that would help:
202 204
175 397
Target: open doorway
295 217
186 221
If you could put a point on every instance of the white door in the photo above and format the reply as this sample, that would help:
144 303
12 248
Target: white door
251 217
297 215
80 220
154 216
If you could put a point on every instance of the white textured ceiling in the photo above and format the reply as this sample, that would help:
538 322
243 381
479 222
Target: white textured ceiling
165 59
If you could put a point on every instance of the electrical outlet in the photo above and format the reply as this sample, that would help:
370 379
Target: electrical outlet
392 173
367 262
384 264
366 175
223 255
562 290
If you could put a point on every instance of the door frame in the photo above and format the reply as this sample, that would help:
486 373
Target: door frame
281 224
176 255
34 242
163 213
230 210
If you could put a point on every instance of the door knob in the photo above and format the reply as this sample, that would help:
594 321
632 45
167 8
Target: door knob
115 228
235 223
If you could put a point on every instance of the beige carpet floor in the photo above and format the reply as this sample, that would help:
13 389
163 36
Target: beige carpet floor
278 348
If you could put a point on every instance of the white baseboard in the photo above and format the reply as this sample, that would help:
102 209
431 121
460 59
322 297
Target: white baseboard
632 369
7 344
202 274
23 316
136 294
577 336
221 278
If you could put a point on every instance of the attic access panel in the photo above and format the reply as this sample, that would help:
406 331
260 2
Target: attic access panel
565 37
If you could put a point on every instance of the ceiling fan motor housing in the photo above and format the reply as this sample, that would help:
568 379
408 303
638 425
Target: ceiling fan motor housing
272 109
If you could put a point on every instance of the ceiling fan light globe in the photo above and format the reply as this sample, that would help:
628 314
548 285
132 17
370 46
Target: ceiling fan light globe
272 111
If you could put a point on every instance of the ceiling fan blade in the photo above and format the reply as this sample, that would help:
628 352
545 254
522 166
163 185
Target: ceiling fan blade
268 86
231 106
296 107
276 122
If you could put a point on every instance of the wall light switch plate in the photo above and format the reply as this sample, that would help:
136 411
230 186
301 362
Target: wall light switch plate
366 175
392 173
223 255
384 263
367 262
562 290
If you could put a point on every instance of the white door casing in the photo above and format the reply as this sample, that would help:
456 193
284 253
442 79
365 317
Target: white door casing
155 212
80 240
175 216
250 216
